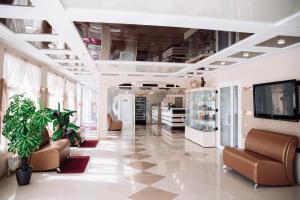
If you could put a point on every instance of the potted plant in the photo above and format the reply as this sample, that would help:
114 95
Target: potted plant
63 128
23 126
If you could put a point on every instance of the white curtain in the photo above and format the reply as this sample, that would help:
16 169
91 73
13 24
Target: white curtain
89 109
70 99
55 90
21 77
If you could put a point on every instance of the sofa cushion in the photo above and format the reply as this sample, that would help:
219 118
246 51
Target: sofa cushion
243 161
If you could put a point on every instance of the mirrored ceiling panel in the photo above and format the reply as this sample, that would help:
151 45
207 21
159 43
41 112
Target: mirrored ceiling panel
125 42
138 68
16 2
63 56
28 26
50 45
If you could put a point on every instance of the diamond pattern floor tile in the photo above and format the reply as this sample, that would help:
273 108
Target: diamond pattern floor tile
151 193
137 156
141 165
146 178
136 149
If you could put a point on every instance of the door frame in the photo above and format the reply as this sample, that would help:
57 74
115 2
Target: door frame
231 84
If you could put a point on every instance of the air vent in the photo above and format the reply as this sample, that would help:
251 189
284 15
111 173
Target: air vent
126 85
106 74
149 85
161 76
170 85
135 75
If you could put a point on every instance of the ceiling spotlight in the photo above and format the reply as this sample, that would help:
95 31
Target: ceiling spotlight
246 54
223 63
186 76
29 27
195 73
281 41
206 69
51 46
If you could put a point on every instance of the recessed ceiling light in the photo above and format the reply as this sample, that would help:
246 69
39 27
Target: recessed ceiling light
281 41
246 54
223 63
29 28
206 69
51 46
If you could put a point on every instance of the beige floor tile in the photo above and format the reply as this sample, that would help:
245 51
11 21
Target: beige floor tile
137 156
151 193
136 149
146 178
141 165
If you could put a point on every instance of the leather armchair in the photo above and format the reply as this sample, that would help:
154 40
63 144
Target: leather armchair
113 125
51 155
268 158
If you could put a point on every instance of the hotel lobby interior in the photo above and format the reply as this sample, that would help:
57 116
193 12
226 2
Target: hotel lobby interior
149 100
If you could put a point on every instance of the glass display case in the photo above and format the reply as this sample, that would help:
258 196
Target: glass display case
201 113
201 110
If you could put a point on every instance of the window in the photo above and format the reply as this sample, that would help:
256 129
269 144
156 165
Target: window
21 77
70 98
56 90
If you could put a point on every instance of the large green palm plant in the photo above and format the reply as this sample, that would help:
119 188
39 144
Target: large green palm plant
23 126
63 128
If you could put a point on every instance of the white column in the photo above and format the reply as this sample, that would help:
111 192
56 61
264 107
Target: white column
1 60
102 109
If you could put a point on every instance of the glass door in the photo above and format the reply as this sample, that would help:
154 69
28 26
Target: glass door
230 118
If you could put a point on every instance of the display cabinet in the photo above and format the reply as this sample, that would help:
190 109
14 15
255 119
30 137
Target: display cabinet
200 123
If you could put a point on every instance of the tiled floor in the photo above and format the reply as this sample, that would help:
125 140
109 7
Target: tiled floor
155 169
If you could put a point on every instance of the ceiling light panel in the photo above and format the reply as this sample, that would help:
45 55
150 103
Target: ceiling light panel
246 54
206 68
223 63
17 3
62 56
280 41
28 26
50 45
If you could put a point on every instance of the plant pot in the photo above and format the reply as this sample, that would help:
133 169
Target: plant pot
23 176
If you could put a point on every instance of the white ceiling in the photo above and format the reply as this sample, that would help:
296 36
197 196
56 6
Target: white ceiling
265 18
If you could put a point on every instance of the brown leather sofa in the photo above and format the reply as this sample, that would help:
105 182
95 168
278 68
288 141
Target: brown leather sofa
51 155
268 158
113 125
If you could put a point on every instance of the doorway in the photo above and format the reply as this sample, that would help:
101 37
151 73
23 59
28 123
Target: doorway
229 133
127 108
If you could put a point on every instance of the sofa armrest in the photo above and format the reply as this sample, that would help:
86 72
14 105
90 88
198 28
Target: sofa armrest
271 173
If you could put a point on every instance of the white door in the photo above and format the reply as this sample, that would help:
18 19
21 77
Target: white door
229 133
126 108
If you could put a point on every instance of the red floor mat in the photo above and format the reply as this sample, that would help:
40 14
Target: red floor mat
75 164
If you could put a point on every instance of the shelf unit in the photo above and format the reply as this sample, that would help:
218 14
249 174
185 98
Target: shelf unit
200 122
140 110
173 117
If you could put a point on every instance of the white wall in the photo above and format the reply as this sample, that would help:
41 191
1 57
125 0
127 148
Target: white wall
276 67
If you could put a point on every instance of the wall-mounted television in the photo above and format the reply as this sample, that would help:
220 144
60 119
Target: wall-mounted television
276 100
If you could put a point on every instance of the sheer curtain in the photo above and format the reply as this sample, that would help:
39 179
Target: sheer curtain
19 76
70 95
55 90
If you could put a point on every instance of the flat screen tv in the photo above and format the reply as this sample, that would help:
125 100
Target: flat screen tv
276 100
